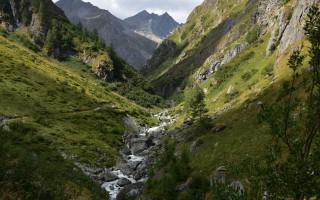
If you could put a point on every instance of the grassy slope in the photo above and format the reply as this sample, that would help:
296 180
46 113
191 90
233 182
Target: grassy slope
245 139
207 29
55 108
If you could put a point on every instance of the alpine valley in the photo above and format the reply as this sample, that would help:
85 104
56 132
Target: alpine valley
223 107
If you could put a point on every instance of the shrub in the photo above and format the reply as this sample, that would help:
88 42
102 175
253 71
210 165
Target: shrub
252 35
248 75
268 70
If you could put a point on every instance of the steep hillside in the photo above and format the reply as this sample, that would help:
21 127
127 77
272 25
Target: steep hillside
60 108
215 33
237 53
153 26
134 48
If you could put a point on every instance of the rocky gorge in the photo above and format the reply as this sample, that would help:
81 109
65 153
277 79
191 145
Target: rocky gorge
141 147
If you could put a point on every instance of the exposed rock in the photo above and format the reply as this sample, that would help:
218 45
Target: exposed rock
213 67
133 165
195 145
232 53
130 190
238 187
153 26
123 182
266 196
139 174
138 145
125 168
150 141
219 128
219 176
130 125
184 186
231 90
294 30
103 72
259 103
226 58
278 30
126 151
187 121
39 31
109 176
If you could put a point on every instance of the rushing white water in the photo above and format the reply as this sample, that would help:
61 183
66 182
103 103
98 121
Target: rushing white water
133 158
113 187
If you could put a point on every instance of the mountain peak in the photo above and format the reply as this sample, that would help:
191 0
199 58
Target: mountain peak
152 24
144 12
166 14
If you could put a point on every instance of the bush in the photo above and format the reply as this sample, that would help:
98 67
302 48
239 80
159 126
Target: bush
248 75
174 170
252 35
268 70
23 39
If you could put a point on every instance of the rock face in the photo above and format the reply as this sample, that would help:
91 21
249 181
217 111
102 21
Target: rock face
294 31
153 26
15 13
227 57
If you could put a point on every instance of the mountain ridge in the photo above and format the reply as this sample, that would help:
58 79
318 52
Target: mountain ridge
133 46
151 25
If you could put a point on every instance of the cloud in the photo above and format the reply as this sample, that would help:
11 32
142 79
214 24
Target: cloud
178 9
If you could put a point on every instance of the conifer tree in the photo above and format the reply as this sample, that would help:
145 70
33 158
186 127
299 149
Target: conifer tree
195 104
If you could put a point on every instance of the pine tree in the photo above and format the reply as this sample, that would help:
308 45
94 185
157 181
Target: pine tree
53 39
195 104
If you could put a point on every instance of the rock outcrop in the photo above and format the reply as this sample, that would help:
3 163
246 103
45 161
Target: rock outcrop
227 57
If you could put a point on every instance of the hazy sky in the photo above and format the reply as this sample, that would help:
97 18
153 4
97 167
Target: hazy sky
178 9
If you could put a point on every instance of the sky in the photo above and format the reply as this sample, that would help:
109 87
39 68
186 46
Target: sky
178 9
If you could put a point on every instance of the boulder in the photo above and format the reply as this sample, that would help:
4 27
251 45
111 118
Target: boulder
231 90
238 187
150 141
219 176
133 165
195 145
123 182
266 196
187 122
219 128
130 190
125 168
126 151
138 145
184 186
109 177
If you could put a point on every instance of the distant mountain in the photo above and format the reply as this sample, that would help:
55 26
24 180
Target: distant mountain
153 26
132 47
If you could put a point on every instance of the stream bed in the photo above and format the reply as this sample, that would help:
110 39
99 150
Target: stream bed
141 146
